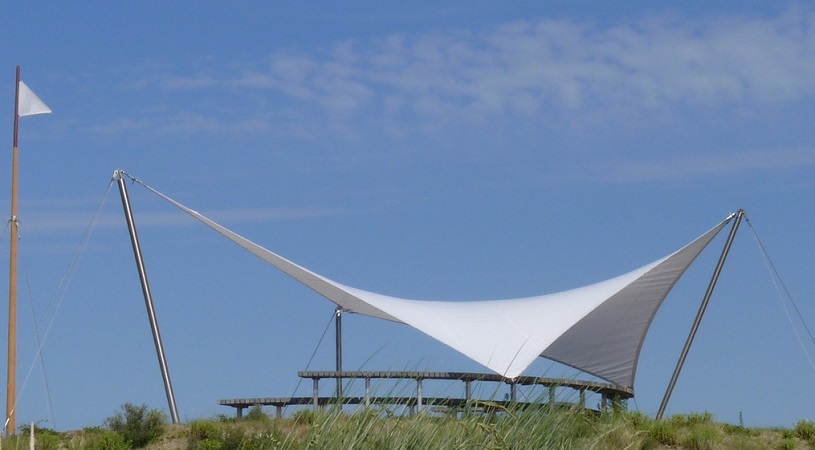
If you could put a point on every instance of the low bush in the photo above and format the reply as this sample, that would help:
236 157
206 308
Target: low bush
789 444
705 437
203 429
305 417
137 425
256 413
664 433
45 438
97 439
804 429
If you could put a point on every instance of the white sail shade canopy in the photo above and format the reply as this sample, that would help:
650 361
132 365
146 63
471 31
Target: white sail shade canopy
598 329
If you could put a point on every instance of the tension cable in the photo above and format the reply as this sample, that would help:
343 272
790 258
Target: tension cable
59 297
781 289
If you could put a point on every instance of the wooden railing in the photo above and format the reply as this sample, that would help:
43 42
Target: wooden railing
608 392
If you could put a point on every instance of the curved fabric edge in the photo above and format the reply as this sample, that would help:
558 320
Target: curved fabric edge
505 336
607 343
318 283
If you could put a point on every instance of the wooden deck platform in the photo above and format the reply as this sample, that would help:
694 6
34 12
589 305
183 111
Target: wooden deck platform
608 392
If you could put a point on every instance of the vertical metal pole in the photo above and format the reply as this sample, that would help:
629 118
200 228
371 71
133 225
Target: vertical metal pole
148 299
738 216
338 338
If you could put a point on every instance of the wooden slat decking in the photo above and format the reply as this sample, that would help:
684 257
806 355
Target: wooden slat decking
607 391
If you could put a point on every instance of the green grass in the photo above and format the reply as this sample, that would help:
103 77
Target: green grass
540 427
530 428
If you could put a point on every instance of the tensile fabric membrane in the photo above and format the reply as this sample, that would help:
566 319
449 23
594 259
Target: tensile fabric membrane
598 329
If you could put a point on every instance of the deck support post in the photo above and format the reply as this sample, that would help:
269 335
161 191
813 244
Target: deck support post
468 395
418 395
367 392
315 382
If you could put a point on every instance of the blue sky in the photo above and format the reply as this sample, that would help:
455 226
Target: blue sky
426 150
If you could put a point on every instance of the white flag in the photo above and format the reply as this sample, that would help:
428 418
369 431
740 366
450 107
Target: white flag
29 104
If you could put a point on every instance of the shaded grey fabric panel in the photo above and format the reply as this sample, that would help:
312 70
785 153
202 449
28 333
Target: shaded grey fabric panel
607 342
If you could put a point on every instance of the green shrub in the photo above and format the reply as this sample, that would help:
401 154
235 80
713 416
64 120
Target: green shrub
738 430
689 420
210 444
702 438
203 429
234 438
106 440
45 438
305 417
664 433
256 413
699 418
137 425
223 418
789 444
804 429
47 441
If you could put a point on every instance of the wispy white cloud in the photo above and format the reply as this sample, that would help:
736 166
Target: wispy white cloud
60 221
194 82
695 166
183 124
535 67
542 73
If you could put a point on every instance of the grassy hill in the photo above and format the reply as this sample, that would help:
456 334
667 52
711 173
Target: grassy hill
531 428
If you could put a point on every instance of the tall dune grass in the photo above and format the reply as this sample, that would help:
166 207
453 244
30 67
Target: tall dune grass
544 427
541 427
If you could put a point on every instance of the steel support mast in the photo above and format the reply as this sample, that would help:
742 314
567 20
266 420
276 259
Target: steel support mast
737 220
148 299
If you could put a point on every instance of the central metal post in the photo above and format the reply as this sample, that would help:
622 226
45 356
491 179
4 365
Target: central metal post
148 299
338 338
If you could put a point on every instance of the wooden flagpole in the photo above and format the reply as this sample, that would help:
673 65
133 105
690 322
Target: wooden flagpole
11 383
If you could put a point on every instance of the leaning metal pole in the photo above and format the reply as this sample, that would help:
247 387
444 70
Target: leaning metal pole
738 216
148 299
